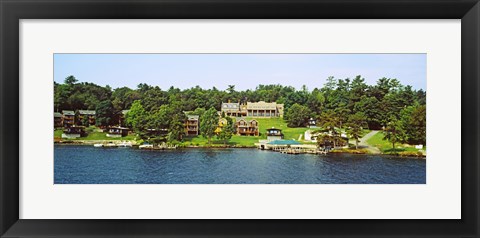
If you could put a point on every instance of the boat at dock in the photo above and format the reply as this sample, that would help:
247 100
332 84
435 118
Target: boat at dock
289 147
125 144
146 146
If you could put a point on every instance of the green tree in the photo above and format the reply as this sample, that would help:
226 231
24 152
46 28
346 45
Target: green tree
227 131
85 121
394 132
135 118
414 123
176 129
71 80
329 121
209 123
297 115
104 113
355 125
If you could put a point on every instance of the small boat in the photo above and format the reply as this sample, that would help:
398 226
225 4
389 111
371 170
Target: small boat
110 145
125 144
98 145
146 146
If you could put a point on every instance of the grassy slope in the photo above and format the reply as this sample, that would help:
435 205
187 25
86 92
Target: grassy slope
386 147
264 123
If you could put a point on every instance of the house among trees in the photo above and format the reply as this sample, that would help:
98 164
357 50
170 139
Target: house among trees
73 132
234 109
68 118
274 134
245 128
264 109
117 131
57 119
90 114
191 125
222 122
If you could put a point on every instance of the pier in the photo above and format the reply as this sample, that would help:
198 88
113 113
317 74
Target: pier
289 147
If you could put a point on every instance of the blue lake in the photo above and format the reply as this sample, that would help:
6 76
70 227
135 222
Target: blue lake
90 165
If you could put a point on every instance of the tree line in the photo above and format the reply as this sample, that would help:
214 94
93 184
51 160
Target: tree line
339 103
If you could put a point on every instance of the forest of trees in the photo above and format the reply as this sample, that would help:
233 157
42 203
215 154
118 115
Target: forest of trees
347 103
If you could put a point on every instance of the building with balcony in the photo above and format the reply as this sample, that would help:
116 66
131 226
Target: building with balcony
192 125
234 109
87 113
68 118
57 119
264 109
246 128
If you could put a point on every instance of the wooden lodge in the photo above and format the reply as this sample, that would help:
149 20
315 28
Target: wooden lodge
57 120
68 118
274 134
117 131
73 132
87 113
245 128
192 125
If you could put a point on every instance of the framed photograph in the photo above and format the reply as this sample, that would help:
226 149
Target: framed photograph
239 118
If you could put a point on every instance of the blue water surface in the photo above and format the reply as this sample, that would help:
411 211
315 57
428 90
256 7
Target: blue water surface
90 165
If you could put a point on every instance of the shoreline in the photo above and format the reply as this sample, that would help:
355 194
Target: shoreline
135 145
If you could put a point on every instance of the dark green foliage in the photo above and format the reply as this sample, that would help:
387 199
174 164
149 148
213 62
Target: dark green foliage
85 121
332 105
394 132
297 115
209 123
356 123
227 131
104 113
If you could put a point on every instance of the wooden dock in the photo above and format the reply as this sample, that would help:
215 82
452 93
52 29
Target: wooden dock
292 149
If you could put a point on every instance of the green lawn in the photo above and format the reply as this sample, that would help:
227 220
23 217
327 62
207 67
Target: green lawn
386 146
289 133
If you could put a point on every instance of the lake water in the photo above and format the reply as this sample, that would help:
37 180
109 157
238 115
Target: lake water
90 165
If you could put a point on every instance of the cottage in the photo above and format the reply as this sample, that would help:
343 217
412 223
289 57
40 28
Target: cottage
264 109
245 128
192 125
68 118
73 132
234 109
87 113
117 131
57 119
274 134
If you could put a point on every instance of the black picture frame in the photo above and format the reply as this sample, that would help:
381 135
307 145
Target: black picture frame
11 11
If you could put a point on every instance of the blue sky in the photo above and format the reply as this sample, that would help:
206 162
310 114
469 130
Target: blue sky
245 71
